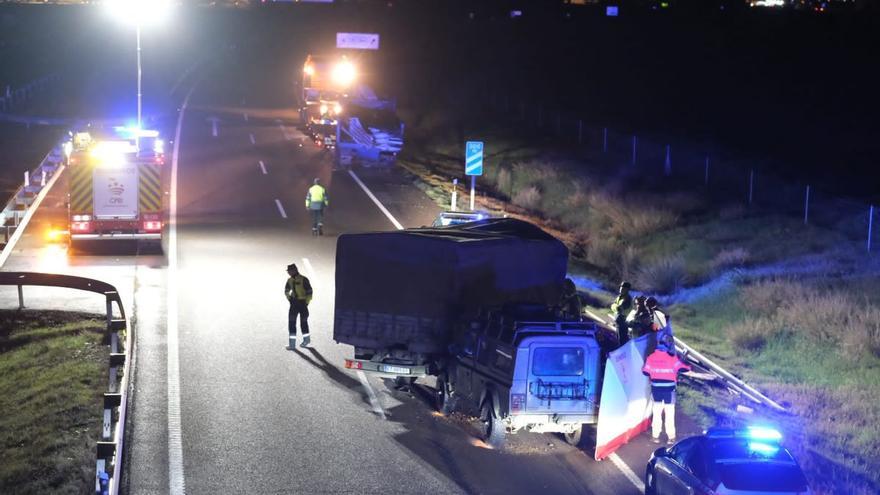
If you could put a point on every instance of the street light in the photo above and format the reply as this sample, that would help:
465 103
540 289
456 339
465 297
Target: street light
140 13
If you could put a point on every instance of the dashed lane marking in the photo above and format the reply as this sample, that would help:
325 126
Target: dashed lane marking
280 209
263 167
630 475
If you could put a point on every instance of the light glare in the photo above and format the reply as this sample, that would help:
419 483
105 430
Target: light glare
139 12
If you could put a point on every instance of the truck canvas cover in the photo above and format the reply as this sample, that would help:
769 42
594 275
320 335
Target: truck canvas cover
409 288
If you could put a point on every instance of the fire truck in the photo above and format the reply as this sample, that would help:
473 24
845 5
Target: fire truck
325 83
115 186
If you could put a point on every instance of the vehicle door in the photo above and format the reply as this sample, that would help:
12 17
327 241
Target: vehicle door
464 368
675 473
562 376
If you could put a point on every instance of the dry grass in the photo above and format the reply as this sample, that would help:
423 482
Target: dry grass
727 258
528 197
662 276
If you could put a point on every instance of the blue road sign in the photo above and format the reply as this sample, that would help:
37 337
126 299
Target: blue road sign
473 161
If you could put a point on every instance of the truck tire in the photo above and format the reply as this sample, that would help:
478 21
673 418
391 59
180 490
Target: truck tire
401 382
574 438
493 431
445 399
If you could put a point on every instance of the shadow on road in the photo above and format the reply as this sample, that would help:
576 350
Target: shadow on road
344 379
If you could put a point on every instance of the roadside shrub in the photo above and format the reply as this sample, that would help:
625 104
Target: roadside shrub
529 197
730 257
604 252
664 275
504 181
751 334
631 220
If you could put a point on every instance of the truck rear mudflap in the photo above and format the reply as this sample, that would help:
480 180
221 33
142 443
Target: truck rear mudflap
390 370
118 236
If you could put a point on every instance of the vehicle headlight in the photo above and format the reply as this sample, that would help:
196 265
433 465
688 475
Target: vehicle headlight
337 109
344 73
323 109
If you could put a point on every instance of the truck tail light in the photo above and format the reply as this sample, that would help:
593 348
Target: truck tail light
152 226
517 402
353 365
80 226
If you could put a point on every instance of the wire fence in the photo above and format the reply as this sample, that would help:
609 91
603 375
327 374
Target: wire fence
689 166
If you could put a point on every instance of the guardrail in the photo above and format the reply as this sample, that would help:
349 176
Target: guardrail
729 380
13 97
108 467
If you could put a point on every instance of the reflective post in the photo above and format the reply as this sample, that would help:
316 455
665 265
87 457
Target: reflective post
667 164
473 188
454 202
870 225
635 140
706 177
807 205
751 184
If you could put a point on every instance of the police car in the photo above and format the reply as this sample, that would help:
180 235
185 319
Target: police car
725 461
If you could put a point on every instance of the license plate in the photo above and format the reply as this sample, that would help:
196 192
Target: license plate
395 369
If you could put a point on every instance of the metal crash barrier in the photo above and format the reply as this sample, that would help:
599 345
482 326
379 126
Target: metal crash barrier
109 448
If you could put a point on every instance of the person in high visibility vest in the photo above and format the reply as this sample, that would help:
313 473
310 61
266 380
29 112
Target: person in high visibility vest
662 367
298 292
316 200
661 323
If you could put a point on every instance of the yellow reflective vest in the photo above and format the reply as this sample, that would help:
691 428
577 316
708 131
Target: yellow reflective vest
317 198
299 288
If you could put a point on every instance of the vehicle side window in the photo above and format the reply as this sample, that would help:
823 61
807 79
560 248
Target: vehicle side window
503 358
485 350
696 462
682 452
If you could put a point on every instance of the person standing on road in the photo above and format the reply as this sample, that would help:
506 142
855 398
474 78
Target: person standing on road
619 309
316 201
639 320
298 292
661 324
662 367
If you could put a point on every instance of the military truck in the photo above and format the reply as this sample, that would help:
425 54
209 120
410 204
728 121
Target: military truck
473 305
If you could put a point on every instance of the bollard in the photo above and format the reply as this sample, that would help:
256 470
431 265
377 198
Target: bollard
27 179
453 205
667 164
706 176
807 205
751 184
20 298
635 140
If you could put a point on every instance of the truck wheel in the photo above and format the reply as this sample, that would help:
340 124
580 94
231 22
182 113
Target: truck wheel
493 431
445 401
403 382
574 438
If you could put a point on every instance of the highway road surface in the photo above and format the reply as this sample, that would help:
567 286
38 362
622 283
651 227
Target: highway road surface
219 406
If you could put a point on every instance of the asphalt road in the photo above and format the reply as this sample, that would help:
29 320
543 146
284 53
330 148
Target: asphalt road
254 417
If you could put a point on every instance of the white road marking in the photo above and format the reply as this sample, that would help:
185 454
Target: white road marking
253 141
19 231
630 475
287 136
263 167
380 205
176 480
280 209
374 401
310 270
246 118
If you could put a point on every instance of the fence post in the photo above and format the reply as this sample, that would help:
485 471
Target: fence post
635 140
580 131
870 225
604 140
20 298
706 177
807 205
667 165
751 184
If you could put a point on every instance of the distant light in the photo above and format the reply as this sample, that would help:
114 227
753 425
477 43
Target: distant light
159 146
611 11
515 13
664 5
337 109
764 433
309 70
139 12
323 108
767 3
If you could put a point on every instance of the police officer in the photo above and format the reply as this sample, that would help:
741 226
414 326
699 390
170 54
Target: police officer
620 309
316 200
662 367
298 292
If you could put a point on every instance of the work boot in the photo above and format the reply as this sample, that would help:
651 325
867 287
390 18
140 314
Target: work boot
670 441
655 439
292 345
314 231
306 340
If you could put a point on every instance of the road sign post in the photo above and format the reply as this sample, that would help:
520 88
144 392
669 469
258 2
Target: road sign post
473 164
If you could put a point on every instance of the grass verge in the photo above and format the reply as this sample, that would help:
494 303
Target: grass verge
52 372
